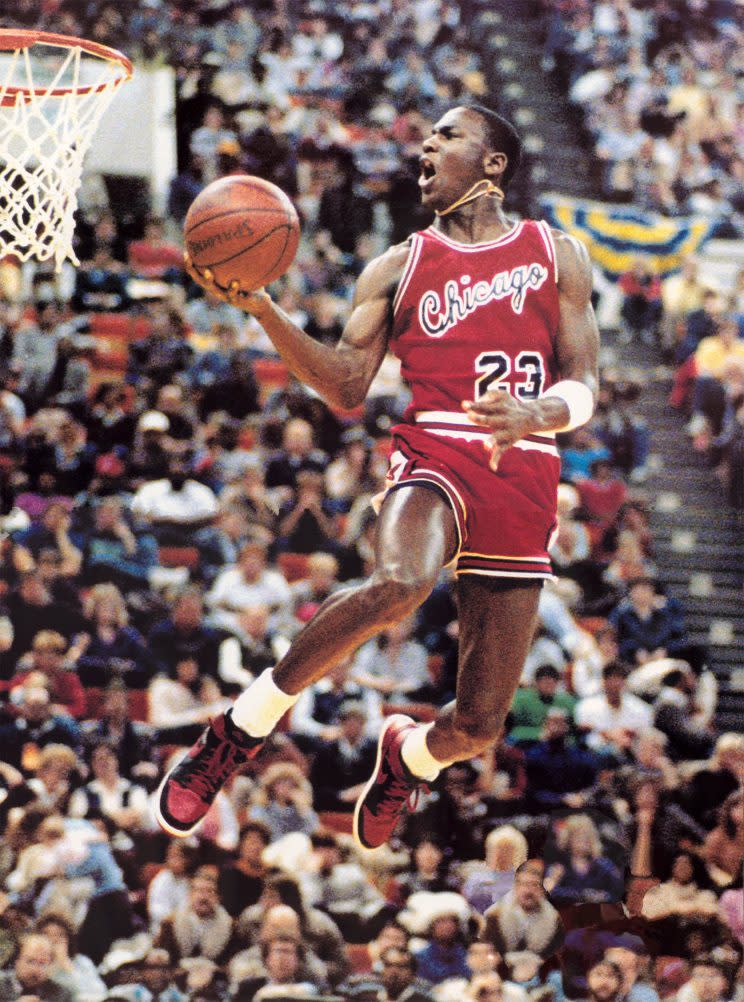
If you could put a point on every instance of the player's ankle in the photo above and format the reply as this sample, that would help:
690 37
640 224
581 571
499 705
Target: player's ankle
259 709
416 756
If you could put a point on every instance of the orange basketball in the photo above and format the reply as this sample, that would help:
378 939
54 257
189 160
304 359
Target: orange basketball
243 229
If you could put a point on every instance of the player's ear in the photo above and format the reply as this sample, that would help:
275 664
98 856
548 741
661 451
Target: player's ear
494 165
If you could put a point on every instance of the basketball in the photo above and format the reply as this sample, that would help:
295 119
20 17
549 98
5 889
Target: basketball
243 229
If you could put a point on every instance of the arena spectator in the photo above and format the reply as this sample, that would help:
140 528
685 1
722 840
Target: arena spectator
708 982
677 716
249 584
169 888
641 309
111 794
178 510
648 625
723 849
602 494
35 726
604 981
305 520
51 661
116 729
532 704
114 649
298 452
115 553
582 872
614 718
318 930
341 887
680 894
340 767
71 970
284 801
428 871
445 955
398 977
315 715
505 852
51 533
635 986
241 883
201 927
282 957
153 256
524 919
559 773
394 664
32 973
157 975
283 922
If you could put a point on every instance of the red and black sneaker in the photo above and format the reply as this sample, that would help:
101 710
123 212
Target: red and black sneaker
390 788
189 789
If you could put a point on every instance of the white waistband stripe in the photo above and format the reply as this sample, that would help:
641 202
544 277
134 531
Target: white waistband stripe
459 418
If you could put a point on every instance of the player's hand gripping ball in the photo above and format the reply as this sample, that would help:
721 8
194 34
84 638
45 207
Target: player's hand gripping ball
241 234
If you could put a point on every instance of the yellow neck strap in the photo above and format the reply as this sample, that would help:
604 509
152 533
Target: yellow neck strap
483 187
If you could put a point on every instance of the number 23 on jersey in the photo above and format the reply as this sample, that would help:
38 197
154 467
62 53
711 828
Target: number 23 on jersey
496 368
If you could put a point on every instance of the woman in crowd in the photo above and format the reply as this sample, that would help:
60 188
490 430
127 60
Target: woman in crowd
72 970
723 850
284 801
115 648
582 873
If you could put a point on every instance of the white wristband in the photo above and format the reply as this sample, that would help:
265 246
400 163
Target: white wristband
577 397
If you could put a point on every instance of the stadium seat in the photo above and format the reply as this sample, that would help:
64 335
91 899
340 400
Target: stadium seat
270 372
137 704
359 958
336 821
294 566
118 326
93 701
178 556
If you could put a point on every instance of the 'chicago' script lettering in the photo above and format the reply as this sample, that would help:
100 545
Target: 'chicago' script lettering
437 315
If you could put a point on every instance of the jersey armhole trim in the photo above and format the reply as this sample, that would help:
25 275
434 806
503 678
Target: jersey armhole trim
411 261
549 242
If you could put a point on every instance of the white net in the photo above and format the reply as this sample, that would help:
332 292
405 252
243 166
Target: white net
52 97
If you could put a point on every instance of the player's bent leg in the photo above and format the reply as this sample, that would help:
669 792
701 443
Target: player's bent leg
497 622
416 536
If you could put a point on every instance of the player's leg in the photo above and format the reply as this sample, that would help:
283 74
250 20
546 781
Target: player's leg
416 535
497 622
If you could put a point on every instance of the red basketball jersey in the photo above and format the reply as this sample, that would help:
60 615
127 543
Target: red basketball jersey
476 317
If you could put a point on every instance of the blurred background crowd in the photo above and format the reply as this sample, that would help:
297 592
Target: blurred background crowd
174 507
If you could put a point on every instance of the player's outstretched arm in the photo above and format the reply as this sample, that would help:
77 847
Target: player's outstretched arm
342 374
577 348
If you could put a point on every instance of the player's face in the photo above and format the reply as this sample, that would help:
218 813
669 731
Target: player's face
453 158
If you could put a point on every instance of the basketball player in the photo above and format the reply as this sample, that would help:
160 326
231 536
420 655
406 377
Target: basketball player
497 338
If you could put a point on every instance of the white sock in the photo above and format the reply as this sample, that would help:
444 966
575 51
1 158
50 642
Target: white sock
259 709
416 755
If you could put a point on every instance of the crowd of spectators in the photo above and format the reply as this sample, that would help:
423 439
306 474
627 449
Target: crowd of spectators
167 527
696 319
659 85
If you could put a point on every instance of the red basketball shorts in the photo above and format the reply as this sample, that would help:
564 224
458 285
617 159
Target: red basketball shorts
505 519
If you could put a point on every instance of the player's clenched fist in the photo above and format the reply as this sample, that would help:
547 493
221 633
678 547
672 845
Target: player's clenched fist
256 303
508 418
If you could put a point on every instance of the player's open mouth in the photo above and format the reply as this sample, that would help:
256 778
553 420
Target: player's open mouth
428 173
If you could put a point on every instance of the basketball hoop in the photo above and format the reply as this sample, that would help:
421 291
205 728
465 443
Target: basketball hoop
54 90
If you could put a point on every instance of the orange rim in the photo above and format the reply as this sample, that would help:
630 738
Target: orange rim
11 39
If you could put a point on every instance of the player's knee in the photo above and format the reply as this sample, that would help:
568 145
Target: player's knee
399 594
